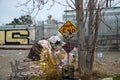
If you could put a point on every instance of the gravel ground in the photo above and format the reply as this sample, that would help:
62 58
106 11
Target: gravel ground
5 57
110 62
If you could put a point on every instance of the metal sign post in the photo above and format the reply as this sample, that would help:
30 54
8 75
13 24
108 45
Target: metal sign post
67 31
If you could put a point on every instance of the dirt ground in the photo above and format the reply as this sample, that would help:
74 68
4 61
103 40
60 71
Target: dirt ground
5 57
108 63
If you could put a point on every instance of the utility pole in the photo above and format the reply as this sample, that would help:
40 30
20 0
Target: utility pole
117 33
106 3
110 3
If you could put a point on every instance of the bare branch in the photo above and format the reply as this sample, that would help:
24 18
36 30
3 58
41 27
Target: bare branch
86 14
109 27
70 5
51 5
24 4
60 3
36 5
115 4
36 13
72 2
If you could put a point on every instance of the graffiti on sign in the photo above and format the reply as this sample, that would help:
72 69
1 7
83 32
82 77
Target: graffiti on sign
14 37
68 47
67 30
68 27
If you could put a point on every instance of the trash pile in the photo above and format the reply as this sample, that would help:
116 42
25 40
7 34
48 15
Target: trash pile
47 60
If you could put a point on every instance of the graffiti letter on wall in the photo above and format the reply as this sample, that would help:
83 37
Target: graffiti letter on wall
2 37
14 37
17 37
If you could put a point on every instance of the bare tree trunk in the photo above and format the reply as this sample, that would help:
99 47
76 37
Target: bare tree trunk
80 35
90 35
97 24
86 50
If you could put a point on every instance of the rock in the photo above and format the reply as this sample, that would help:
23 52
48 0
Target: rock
108 78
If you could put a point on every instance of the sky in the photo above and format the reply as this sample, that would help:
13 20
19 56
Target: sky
9 11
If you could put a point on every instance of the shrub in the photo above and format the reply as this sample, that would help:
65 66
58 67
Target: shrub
117 77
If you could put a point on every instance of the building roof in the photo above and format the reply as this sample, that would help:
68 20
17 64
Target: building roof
10 27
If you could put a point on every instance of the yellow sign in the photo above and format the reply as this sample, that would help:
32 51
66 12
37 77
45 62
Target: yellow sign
68 28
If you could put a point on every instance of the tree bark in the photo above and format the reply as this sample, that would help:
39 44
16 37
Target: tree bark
86 50
80 34
90 35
